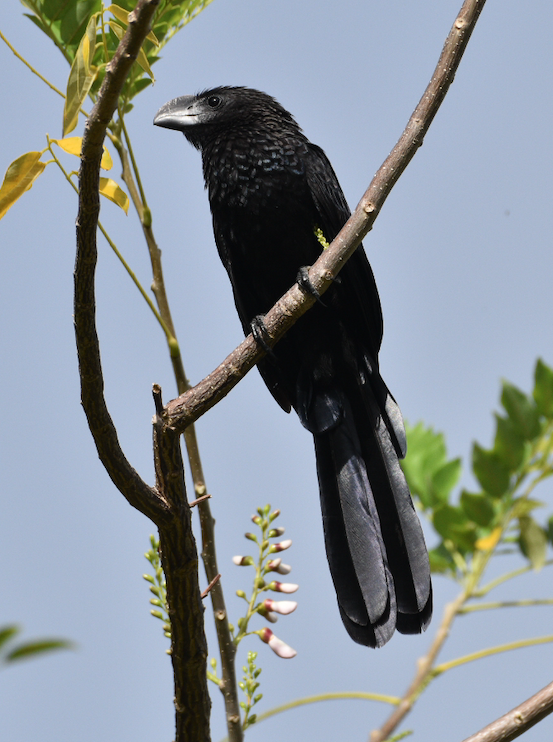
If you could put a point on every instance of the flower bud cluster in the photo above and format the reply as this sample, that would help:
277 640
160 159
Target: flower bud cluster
264 565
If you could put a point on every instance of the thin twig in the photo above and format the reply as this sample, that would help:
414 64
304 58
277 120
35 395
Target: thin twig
504 578
489 652
35 72
335 696
506 604
200 499
210 587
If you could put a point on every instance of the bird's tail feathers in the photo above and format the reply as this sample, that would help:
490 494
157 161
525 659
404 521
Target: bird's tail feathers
373 536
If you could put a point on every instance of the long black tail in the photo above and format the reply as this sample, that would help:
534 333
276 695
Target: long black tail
373 537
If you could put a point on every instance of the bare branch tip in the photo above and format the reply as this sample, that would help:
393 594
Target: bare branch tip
197 502
158 402
208 589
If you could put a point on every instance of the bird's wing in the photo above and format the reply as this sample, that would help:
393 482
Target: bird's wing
358 296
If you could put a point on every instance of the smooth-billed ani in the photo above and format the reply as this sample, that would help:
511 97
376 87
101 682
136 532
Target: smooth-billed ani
270 190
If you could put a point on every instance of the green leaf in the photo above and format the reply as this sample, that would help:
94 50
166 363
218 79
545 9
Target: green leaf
509 445
31 649
452 524
19 177
532 541
139 85
115 193
7 632
478 508
521 410
75 20
441 560
81 77
428 472
490 471
445 479
64 21
543 389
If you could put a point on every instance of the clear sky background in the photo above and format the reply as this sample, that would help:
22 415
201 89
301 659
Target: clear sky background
463 260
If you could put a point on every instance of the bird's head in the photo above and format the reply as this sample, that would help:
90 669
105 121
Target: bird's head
223 109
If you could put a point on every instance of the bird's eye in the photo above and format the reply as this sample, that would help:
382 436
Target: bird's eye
213 101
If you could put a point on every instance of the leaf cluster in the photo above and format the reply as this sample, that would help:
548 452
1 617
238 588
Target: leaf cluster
501 511
88 39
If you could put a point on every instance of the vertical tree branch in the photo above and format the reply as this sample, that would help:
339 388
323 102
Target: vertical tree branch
167 504
179 559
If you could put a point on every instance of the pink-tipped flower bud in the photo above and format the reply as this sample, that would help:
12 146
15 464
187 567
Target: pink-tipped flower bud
284 607
275 532
275 565
281 546
251 536
274 515
242 561
277 645
256 519
283 587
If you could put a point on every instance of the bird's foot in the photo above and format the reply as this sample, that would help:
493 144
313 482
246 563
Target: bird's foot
260 333
304 282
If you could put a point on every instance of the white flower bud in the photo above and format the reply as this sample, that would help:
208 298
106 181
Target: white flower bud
281 546
283 587
284 607
277 645
242 561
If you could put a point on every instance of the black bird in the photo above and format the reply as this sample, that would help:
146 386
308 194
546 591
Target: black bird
270 191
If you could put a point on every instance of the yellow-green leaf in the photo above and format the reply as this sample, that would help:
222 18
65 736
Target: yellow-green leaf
141 58
106 162
122 15
81 77
111 190
19 177
489 542
72 145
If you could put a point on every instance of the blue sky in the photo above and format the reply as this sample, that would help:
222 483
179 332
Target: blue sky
463 260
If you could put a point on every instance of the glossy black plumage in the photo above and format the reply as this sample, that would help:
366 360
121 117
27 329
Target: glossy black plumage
269 190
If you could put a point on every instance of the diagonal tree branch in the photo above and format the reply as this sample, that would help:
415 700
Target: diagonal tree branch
518 720
194 403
